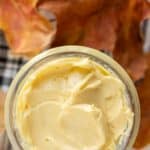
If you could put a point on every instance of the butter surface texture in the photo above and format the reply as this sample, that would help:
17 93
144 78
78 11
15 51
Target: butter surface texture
72 104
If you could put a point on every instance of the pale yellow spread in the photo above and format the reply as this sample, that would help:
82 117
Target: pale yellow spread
72 104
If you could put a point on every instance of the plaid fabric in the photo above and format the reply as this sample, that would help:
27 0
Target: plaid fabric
9 65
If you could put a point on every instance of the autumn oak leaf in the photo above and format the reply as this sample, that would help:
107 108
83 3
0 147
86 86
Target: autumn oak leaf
26 31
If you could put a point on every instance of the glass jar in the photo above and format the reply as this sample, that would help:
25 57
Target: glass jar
63 52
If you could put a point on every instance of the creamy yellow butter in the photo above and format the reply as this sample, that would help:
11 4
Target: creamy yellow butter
72 104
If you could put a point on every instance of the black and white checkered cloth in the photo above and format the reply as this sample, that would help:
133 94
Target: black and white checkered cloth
9 64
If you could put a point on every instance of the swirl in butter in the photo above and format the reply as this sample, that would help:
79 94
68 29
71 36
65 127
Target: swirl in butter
72 104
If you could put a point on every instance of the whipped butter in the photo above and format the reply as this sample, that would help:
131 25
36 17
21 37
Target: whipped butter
72 104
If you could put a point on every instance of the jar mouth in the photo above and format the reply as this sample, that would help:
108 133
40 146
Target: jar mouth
70 51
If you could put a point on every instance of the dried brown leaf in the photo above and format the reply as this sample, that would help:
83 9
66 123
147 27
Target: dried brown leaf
26 31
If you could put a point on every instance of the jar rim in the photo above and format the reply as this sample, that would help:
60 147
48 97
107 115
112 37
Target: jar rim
68 50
